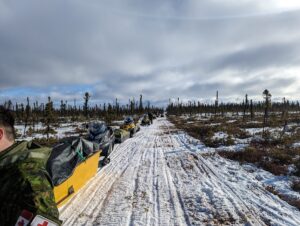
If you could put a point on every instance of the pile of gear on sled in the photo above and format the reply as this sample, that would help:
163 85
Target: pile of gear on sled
75 160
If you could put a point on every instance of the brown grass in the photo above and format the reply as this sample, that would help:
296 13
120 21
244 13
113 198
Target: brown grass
44 142
296 185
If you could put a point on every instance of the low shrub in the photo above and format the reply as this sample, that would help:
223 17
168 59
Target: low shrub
296 185
297 165
46 142
250 154
274 168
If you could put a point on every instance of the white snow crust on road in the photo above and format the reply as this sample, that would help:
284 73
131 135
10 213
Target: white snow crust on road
162 177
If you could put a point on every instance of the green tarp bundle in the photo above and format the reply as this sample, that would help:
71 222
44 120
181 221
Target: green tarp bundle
66 156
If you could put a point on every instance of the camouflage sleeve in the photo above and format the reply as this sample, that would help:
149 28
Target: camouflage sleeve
38 194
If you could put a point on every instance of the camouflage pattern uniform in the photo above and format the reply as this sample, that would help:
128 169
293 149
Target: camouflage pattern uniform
25 183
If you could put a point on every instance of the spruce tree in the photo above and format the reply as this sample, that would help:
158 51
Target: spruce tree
267 104
85 106
49 116
27 115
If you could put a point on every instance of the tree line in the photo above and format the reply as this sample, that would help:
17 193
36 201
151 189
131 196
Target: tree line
247 107
32 112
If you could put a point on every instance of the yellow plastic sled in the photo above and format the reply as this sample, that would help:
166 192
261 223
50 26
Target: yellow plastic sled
81 175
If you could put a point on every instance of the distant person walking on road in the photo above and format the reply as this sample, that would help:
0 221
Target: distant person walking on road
26 192
150 117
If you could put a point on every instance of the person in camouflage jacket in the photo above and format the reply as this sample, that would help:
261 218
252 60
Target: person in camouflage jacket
24 181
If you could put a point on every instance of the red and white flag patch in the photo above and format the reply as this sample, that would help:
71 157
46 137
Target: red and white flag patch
42 221
24 218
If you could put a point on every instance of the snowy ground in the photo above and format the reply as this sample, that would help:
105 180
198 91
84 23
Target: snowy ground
161 177
64 130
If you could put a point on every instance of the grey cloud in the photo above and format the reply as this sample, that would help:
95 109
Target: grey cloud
253 87
124 48
259 57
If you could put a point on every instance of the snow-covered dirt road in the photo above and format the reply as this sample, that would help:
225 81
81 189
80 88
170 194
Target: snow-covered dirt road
162 177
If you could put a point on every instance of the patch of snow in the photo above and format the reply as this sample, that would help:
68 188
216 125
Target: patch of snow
232 121
64 130
233 148
243 141
253 122
220 135
281 184
291 169
296 145
190 122
254 131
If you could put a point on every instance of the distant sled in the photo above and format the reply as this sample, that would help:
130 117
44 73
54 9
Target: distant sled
127 130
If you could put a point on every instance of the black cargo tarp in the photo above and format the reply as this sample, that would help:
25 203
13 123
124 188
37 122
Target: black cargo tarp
66 156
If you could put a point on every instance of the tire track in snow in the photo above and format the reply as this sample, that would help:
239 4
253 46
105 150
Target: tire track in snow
109 210
141 191
270 205
240 206
101 205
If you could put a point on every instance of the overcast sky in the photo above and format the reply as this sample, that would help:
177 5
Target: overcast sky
162 49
